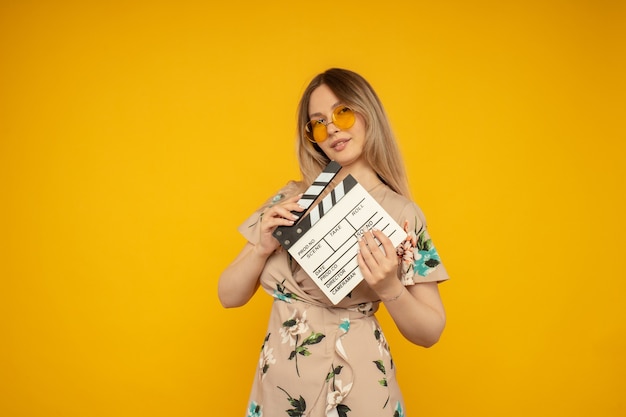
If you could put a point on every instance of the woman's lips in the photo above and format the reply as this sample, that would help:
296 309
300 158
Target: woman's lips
340 144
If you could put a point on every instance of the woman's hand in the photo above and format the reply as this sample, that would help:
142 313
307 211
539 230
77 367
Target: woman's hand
240 280
275 215
379 266
417 311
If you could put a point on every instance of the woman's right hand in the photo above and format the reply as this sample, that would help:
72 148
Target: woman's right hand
275 215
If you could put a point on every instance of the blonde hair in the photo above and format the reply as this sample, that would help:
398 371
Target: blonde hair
381 150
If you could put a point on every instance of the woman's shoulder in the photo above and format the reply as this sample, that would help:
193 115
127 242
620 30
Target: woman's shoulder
398 205
291 188
288 190
248 227
386 196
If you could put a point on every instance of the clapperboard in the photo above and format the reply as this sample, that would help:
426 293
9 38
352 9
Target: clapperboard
325 242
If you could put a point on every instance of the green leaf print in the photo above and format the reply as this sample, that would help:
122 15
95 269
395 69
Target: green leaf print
383 382
377 334
299 405
380 366
424 243
302 349
290 323
335 371
266 356
426 256
342 410
282 294
313 339
431 263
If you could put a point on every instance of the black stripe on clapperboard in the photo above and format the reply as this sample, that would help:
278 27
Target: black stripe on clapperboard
288 235
283 233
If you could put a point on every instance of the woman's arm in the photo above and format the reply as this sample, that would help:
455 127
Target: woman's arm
240 280
417 310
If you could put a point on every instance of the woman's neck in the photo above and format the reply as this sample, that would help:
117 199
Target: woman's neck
364 174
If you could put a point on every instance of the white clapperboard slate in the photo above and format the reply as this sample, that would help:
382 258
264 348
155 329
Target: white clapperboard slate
325 241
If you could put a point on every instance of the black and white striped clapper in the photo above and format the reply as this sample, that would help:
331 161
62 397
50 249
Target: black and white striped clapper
288 235
319 185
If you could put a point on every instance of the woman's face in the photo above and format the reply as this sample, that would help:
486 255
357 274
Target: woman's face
343 146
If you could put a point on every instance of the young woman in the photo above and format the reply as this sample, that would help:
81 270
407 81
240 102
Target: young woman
320 359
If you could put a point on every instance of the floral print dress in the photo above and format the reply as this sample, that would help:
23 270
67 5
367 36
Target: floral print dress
323 360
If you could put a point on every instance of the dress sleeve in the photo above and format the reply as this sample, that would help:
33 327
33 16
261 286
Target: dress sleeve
250 228
420 261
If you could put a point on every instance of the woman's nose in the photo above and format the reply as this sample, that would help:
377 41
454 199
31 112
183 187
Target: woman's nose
331 128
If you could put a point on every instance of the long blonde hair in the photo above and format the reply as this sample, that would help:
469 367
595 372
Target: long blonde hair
381 150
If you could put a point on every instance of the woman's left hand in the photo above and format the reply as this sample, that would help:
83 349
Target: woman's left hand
379 265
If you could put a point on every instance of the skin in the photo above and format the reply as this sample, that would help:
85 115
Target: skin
417 310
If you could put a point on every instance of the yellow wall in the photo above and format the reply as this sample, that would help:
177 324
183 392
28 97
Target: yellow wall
136 136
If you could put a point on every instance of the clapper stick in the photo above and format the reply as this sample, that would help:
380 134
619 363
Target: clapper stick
288 235
319 185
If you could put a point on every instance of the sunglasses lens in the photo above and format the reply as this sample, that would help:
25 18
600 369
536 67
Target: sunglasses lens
317 130
320 133
343 117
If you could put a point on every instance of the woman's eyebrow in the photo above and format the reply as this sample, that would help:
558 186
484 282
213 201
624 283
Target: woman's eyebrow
334 106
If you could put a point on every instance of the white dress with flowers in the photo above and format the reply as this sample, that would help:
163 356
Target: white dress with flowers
319 359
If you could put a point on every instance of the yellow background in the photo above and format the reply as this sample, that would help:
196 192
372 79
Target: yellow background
136 136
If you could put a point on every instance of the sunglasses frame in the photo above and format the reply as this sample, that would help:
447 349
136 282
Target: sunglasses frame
309 128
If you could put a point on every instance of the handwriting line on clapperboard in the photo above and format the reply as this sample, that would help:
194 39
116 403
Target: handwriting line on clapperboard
341 268
323 239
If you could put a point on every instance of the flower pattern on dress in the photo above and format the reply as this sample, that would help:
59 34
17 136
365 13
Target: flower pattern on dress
383 382
345 325
399 412
334 371
276 199
267 357
336 397
293 327
291 331
324 343
383 347
299 405
418 254
363 308
282 294
254 410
